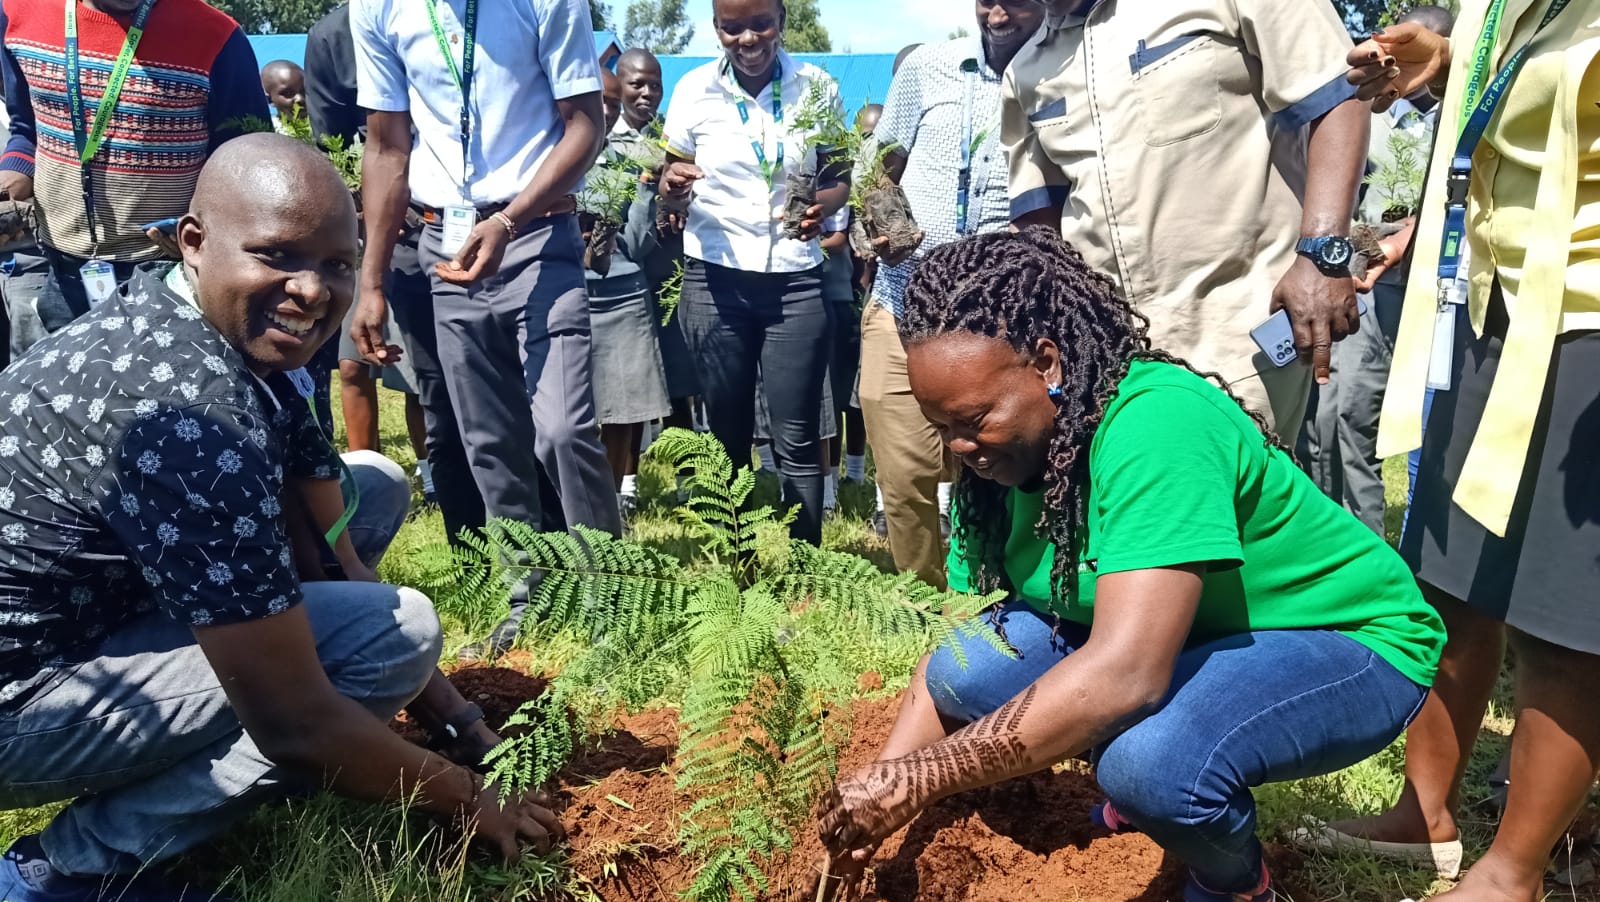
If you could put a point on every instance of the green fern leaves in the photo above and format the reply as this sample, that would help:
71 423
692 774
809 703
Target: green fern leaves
757 653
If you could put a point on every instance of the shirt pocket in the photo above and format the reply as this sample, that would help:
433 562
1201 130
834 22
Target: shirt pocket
1176 92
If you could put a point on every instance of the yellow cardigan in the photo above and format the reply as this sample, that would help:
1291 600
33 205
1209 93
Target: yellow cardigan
1556 287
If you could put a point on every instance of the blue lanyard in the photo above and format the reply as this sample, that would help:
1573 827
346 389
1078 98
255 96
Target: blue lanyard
969 69
85 139
1459 181
463 77
777 114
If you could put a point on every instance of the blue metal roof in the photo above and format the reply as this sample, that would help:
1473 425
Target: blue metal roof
863 78
292 47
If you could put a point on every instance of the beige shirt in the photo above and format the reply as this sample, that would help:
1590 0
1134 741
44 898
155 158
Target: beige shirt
1176 136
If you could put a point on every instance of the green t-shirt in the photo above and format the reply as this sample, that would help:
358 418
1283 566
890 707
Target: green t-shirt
1179 474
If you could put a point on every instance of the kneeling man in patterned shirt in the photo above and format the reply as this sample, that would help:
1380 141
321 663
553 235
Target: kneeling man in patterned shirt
189 620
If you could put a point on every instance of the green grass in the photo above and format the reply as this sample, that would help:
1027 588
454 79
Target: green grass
330 849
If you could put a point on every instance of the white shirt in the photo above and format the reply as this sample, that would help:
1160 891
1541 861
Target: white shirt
530 53
736 218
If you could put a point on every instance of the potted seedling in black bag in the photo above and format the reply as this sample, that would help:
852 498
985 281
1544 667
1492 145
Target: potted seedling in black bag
608 190
881 207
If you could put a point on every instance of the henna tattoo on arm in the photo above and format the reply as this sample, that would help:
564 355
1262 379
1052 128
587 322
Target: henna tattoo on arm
885 796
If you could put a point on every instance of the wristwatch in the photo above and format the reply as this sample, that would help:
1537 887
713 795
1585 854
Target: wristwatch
1331 253
457 728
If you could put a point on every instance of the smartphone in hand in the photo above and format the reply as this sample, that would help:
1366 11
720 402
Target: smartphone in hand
1275 337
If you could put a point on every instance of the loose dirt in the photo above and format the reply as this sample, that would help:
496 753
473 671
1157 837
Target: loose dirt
1028 839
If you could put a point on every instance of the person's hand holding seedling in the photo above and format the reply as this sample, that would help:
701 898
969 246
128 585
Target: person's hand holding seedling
882 245
480 257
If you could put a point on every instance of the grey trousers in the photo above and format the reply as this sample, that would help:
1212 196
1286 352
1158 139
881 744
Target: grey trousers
143 739
1338 443
514 349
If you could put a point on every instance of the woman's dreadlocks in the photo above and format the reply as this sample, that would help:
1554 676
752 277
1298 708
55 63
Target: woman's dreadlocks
1019 287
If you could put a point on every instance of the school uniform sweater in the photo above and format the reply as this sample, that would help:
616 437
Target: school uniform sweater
193 84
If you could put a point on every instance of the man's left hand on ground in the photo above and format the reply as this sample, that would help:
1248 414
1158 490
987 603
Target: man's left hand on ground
480 257
1322 309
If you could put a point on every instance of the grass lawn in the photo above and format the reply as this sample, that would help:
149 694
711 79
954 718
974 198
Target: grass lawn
326 849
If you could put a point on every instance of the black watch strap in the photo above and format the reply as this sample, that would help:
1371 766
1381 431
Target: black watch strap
457 726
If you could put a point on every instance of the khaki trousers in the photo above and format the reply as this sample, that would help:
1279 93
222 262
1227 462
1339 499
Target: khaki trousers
906 450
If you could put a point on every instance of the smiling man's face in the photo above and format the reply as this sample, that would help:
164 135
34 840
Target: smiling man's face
274 265
1008 24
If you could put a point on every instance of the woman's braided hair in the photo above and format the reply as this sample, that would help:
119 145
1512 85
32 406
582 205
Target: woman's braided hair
1019 287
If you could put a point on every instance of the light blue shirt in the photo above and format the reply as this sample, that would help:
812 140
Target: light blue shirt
530 53
924 115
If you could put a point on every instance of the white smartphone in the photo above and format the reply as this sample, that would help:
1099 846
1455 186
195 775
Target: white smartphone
1275 337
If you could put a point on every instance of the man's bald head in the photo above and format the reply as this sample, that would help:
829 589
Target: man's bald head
638 59
1436 19
270 245
285 84
261 170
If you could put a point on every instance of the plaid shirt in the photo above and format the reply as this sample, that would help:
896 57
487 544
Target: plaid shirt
923 114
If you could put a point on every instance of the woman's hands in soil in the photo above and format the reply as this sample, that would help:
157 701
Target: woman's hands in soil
838 879
869 805
527 820
1397 62
677 181
480 257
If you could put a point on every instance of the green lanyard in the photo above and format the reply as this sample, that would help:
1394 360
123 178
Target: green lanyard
1482 56
462 76
87 142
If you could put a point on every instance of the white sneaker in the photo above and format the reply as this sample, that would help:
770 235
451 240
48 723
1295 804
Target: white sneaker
1443 857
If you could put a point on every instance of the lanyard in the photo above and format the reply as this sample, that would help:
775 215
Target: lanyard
777 115
1477 110
87 139
969 70
348 489
463 76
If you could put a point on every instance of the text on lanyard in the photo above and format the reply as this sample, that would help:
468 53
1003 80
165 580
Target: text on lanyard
463 76
87 139
758 144
1479 104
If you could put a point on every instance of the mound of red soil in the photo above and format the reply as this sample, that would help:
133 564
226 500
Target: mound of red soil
1027 839
499 691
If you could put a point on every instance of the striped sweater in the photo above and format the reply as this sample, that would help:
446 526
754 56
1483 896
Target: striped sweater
194 79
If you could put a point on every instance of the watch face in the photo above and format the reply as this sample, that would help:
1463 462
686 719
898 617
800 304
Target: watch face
1336 252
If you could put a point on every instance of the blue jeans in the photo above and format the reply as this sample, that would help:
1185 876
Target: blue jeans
143 737
1242 711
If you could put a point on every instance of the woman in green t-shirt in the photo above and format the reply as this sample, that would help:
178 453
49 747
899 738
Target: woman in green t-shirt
1186 605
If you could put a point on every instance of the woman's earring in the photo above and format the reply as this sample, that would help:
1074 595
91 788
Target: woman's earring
1054 391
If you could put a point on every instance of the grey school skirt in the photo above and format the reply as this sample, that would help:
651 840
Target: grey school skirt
630 385
1542 577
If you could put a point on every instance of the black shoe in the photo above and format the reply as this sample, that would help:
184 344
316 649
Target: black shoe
500 641
880 524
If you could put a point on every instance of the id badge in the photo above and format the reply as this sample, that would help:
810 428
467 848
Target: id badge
99 281
1441 360
458 223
